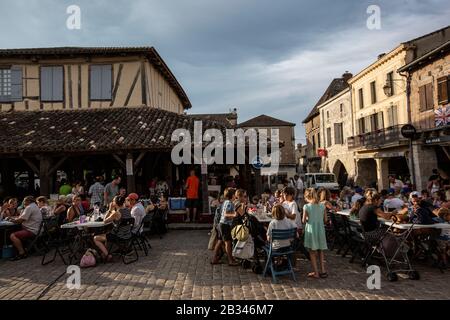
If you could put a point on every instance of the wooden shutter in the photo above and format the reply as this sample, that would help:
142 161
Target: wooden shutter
442 84
328 137
429 96
373 92
107 82
58 83
361 98
422 99
101 82
367 124
46 83
380 120
16 83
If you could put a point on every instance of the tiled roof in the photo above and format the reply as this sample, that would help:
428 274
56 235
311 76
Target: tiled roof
149 52
265 121
336 86
222 118
91 130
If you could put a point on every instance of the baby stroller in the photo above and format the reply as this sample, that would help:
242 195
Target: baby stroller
257 234
393 248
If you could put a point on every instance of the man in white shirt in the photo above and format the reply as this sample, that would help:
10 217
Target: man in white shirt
30 219
137 212
358 195
395 183
393 203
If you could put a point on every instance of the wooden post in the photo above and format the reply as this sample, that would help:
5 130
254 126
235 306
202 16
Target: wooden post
258 182
204 181
131 183
44 177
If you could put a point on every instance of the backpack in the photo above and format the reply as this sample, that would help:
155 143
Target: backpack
240 232
88 260
244 249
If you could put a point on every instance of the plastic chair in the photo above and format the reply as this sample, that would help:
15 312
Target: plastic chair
289 234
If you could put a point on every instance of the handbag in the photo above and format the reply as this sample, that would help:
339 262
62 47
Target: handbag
244 249
240 233
88 259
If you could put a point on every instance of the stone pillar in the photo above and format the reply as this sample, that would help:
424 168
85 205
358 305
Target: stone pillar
425 161
205 195
382 173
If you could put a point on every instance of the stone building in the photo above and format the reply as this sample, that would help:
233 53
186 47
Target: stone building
429 78
336 128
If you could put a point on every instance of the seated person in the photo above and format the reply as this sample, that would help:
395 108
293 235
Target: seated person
75 210
9 208
61 210
393 203
280 222
30 219
420 213
354 211
153 205
137 211
85 203
444 238
42 203
116 213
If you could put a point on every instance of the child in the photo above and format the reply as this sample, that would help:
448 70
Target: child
314 219
280 222
290 206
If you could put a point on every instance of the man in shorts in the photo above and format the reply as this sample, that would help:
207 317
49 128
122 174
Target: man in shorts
192 185
30 219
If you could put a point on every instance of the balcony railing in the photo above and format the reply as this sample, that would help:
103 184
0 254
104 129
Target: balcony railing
377 139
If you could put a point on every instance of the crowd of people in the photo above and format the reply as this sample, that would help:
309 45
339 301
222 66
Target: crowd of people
73 204
309 210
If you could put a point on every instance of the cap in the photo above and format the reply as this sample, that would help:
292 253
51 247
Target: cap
133 196
391 191
359 190
415 194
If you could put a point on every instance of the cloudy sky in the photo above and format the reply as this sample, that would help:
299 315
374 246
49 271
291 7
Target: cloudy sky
260 56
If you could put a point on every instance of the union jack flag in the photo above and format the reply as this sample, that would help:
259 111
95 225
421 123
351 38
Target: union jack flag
442 116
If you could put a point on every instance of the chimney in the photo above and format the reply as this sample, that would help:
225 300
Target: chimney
381 55
233 117
347 76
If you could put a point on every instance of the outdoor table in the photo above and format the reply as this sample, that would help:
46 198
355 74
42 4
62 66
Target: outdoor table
406 226
80 244
345 212
5 225
264 218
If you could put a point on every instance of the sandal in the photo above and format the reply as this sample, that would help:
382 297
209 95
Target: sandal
19 257
313 275
323 275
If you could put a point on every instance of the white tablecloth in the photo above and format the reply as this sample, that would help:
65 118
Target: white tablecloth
89 224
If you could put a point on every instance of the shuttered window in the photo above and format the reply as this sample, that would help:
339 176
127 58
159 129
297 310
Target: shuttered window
380 120
361 98
426 97
392 116
373 92
361 126
52 84
390 82
443 85
11 84
338 133
101 82
328 137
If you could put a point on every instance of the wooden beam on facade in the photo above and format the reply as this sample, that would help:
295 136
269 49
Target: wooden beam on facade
132 87
116 85
31 165
139 159
69 71
143 84
57 165
120 161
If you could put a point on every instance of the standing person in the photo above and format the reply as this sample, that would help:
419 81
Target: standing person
315 218
395 183
227 215
137 212
299 185
30 219
111 190
78 189
96 192
192 186
65 188
152 186
240 196
434 183
291 208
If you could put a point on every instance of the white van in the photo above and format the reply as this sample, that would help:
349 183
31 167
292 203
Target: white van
321 180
